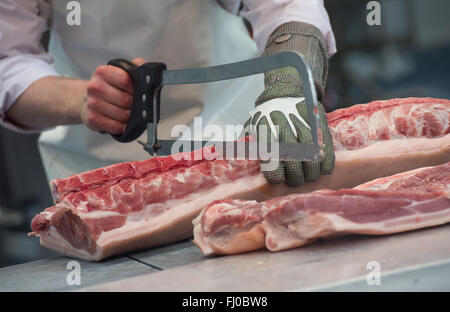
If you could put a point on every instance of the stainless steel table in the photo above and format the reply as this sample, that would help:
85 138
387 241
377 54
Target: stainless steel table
418 260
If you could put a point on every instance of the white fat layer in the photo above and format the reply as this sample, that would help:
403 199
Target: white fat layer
379 186
94 214
233 212
399 147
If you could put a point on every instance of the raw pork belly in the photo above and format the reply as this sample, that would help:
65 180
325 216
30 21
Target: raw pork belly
407 201
376 140
137 204
134 205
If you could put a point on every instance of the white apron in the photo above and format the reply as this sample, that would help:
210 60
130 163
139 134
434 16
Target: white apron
180 33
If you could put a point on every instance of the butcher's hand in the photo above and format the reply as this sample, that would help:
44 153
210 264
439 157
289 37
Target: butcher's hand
277 104
107 104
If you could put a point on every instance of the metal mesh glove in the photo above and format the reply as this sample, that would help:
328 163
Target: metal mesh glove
307 40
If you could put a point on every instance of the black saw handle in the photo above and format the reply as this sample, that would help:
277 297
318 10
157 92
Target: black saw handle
146 81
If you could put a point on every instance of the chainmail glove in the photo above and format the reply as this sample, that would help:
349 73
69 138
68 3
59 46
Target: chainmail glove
282 104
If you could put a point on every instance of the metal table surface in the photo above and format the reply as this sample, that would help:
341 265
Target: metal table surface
418 260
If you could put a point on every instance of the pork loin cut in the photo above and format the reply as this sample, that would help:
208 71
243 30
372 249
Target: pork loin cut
402 202
133 205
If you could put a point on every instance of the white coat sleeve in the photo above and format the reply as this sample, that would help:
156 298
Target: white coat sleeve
266 16
23 60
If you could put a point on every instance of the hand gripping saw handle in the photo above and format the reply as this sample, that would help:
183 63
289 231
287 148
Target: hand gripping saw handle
149 78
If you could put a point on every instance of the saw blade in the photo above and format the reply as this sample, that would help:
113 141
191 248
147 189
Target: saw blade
242 150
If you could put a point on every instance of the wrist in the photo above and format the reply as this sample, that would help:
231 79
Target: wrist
79 96
305 39
48 102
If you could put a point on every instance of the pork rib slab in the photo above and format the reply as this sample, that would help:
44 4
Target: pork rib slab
406 201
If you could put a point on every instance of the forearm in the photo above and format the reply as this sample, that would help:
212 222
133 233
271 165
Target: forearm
48 102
